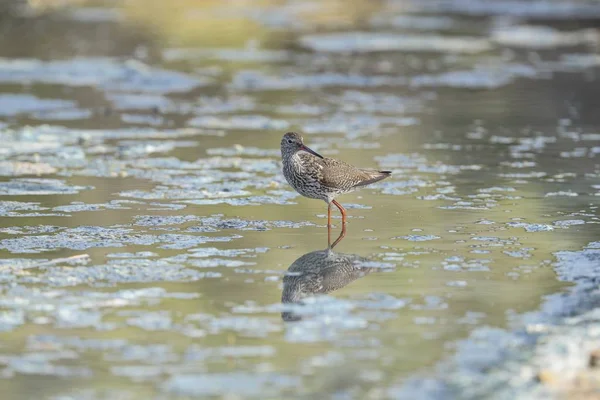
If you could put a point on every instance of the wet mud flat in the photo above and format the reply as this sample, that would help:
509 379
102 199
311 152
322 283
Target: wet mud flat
150 247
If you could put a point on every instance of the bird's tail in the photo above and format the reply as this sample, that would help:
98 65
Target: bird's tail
372 176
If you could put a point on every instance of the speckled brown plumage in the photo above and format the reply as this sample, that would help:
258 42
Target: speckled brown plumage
318 177
333 177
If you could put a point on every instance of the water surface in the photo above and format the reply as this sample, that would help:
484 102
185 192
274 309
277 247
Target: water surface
147 229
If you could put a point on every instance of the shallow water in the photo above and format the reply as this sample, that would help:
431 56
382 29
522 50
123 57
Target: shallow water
147 230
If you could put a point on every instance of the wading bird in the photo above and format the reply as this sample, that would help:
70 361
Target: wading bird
318 177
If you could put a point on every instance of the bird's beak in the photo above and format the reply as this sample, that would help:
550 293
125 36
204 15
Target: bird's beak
314 153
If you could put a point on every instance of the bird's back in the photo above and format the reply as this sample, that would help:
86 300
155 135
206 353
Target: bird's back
325 178
341 175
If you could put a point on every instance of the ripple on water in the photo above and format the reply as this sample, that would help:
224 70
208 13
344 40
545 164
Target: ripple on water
231 384
277 197
12 104
143 119
62 115
457 283
17 168
120 271
484 77
375 42
224 105
217 222
161 220
404 187
139 373
534 9
406 161
531 227
41 364
242 122
80 207
149 321
382 301
256 327
418 238
234 54
214 252
196 353
352 101
136 101
322 318
562 193
86 237
541 37
38 187
256 81
414 22
104 73
47 140
164 192
83 309
458 264
239 150
354 125
580 61
29 230
10 319
569 222
14 208
94 15
301 109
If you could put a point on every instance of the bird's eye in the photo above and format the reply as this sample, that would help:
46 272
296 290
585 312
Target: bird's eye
290 141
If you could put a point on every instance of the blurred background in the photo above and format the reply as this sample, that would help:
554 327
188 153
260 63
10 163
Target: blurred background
146 227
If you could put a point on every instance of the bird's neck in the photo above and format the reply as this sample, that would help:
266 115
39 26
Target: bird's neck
292 159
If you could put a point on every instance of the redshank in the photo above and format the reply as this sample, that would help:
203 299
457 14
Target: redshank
318 177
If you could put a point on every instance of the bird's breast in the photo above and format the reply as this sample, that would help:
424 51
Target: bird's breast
304 177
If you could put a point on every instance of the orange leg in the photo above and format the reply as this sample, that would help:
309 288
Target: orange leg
339 239
342 210
328 224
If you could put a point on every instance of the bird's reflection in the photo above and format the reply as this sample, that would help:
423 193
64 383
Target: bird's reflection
321 272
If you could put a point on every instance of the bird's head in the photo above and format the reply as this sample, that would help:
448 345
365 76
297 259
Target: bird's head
292 142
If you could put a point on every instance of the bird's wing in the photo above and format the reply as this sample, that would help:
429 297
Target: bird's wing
373 176
342 175
337 174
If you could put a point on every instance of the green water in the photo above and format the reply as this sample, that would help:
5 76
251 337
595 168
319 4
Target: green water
486 166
